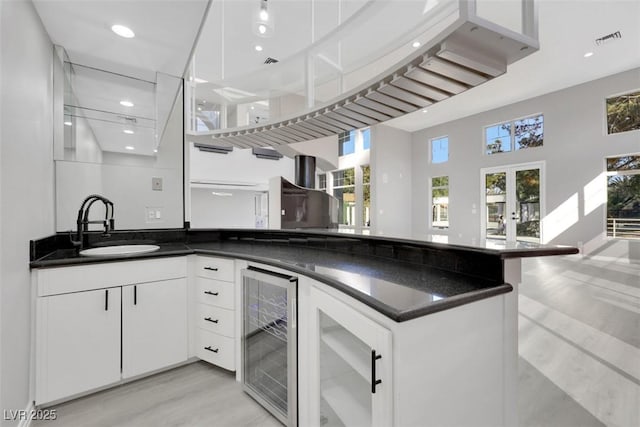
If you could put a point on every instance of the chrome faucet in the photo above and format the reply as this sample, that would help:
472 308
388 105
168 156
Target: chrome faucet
83 218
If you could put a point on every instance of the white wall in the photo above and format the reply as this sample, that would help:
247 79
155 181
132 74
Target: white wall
215 211
575 146
125 179
391 184
26 184
238 166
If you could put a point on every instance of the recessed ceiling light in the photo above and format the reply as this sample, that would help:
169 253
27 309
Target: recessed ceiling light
264 15
126 103
199 108
424 111
123 31
262 28
588 54
258 48
68 123
128 131
129 147
416 44
155 151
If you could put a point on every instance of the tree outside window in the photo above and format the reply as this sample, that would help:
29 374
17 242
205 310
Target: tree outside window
366 196
623 197
440 202
344 190
515 135
623 113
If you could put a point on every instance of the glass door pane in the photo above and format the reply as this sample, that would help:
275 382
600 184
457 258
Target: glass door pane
527 209
265 330
495 200
345 370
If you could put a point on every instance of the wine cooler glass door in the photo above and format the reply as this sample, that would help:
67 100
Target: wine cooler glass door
269 342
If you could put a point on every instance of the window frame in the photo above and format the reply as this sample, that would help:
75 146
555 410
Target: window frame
608 174
605 125
431 141
431 218
512 136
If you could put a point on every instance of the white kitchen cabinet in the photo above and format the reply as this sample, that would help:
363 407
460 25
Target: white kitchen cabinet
215 311
350 378
87 338
154 326
79 336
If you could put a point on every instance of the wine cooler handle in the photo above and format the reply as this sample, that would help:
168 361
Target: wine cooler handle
294 313
374 381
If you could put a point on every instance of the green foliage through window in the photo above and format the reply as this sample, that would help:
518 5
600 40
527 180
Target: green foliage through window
515 135
623 113
623 196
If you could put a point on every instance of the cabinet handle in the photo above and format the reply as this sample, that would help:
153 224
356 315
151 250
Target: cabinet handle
215 294
374 381
211 268
215 350
209 319
106 300
135 295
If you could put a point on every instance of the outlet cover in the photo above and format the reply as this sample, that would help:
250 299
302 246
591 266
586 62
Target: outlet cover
156 184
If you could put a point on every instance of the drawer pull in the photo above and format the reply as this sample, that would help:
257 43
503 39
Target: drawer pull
209 319
215 350
106 300
211 268
215 294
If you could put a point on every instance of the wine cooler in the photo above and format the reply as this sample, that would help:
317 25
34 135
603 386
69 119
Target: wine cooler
269 347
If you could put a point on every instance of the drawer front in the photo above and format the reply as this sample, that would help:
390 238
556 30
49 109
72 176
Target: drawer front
215 292
215 268
216 319
216 349
61 280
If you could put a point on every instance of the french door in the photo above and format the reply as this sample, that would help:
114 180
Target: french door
513 202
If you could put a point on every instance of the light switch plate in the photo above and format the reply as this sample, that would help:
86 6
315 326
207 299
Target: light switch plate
156 184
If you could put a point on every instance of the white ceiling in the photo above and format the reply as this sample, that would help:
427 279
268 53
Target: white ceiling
166 30
567 30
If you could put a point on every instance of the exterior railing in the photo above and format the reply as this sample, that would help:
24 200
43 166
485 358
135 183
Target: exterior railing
625 228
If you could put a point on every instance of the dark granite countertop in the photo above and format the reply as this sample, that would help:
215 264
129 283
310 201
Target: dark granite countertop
400 279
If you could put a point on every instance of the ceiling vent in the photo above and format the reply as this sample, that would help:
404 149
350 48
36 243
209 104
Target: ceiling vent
270 60
266 153
609 38
220 149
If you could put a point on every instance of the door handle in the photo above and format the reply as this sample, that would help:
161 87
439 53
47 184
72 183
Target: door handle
209 319
106 300
374 381
135 295
215 350
215 294
211 268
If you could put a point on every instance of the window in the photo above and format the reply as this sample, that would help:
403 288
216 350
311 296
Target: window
366 139
440 202
347 143
514 135
623 197
440 149
366 195
623 113
344 190
322 181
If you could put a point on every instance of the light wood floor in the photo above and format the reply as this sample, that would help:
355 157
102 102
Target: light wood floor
579 366
195 395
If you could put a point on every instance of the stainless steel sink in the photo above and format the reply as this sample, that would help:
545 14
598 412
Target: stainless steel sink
119 250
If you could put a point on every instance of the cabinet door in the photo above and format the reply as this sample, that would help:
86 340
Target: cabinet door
78 343
351 382
154 326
